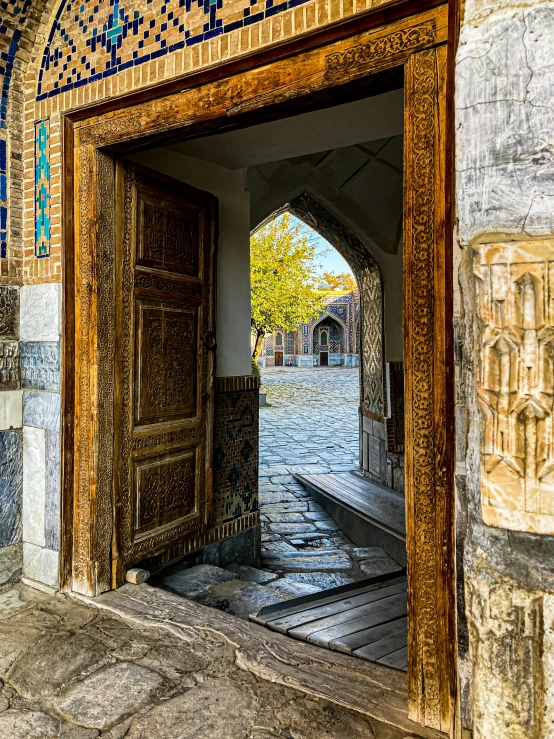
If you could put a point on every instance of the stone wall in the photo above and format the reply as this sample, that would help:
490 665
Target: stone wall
377 462
505 194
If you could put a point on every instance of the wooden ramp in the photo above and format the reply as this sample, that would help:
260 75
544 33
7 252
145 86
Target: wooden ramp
367 619
376 503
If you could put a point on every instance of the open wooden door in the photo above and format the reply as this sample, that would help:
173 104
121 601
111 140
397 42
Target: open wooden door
164 386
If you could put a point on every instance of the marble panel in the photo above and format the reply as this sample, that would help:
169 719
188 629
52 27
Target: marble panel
39 363
52 493
9 312
9 365
34 485
374 461
11 474
41 564
40 313
11 410
41 410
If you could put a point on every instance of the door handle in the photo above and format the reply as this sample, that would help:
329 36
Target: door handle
209 339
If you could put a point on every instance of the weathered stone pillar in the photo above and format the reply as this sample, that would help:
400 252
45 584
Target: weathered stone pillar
505 199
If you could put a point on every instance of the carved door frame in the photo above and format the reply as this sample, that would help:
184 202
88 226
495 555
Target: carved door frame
373 52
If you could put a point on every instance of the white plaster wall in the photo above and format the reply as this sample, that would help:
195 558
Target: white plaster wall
391 274
233 261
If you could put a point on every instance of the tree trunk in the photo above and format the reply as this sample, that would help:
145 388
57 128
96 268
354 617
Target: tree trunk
258 344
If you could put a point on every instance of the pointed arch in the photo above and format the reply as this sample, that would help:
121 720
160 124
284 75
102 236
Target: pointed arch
368 276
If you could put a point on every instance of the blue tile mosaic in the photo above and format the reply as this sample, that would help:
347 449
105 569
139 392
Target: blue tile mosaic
42 188
95 39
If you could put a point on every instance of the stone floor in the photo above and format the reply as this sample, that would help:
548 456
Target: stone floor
310 425
79 670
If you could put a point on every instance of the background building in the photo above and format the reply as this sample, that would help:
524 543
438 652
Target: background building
331 339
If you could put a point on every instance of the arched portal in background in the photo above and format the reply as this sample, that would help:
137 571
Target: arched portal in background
370 320
329 334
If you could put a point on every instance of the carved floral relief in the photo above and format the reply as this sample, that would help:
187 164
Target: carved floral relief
515 292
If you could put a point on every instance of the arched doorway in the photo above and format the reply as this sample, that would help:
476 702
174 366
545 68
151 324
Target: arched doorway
426 577
370 323
329 341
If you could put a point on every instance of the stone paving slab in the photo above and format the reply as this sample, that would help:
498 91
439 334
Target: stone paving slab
167 673
311 425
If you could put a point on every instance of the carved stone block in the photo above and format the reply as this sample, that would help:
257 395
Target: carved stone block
9 365
515 289
9 312
39 363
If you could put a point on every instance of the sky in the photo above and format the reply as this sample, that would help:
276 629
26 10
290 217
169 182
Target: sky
332 261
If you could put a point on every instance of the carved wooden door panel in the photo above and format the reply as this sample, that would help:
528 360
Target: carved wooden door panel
163 397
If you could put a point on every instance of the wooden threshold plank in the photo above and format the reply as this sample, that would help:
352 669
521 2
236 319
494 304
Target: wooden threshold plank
373 512
366 687
287 610
350 642
398 660
285 623
394 609
371 611
379 649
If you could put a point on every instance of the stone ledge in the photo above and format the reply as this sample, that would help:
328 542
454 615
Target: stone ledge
370 689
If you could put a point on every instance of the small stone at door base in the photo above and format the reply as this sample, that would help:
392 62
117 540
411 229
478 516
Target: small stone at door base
137 576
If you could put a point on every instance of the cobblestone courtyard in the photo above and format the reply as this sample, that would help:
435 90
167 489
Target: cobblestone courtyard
311 426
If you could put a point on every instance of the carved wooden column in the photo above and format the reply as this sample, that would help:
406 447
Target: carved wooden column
429 388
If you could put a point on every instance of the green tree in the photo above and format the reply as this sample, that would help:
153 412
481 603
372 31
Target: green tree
284 278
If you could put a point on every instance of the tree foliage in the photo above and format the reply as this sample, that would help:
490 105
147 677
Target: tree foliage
344 281
284 277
